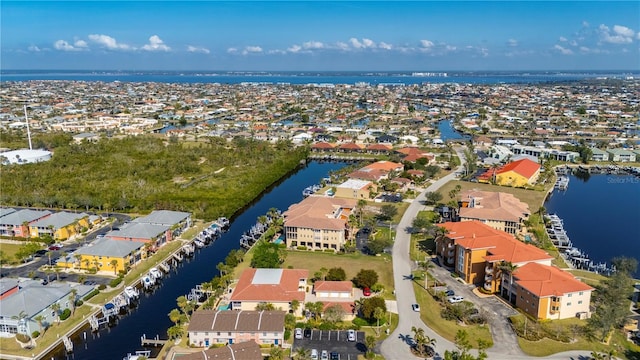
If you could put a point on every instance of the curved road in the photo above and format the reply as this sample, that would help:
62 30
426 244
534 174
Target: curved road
397 345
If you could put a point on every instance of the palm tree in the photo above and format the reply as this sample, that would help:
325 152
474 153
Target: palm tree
72 300
420 339
596 356
426 266
370 343
508 268
56 309
114 265
40 320
302 354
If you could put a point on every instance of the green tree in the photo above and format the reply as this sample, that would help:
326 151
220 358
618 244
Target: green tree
265 306
365 278
426 266
175 332
421 224
315 308
433 197
267 255
302 354
73 298
114 266
336 274
370 343
40 320
334 313
369 306
387 212
377 244
276 353
56 310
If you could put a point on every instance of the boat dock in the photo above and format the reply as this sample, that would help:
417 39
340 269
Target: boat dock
562 183
251 236
152 342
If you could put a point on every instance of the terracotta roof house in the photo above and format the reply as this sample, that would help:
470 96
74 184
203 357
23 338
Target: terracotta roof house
248 350
476 252
501 211
276 286
208 327
516 173
412 154
322 146
546 292
378 149
318 222
350 147
333 289
377 171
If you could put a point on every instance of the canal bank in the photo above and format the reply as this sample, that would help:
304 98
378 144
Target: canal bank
150 316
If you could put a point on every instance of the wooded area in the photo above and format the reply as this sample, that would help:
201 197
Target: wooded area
210 178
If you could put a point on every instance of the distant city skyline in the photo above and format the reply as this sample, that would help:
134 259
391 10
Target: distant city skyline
321 36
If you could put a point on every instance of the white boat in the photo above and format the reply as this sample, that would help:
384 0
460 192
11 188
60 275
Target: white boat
155 273
147 281
199 244
223 222
131 292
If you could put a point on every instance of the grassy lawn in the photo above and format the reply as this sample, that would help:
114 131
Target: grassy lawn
421 244
533 198
372 330
10 251
588 277
430 314
351 263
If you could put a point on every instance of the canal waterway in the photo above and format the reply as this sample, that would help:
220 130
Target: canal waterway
150 316
448 132
601 215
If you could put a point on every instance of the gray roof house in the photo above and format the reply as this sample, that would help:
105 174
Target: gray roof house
142 232
109 247
165 217
19 309
58 220
12 223
6 211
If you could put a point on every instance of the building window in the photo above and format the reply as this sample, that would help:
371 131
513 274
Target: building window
569 303
579 302
569 295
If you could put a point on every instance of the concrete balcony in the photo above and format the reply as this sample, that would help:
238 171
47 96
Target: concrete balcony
488 269
487 286
488 277
450 253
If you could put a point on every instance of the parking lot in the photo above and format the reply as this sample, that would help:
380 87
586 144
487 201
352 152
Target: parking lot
333 340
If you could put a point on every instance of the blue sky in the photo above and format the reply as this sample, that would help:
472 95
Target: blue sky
313 35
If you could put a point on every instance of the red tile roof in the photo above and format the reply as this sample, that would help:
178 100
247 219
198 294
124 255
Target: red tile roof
322 145
524 167
285 290
350 146
384 166
318 212
335 286
542 280
500 245
379 147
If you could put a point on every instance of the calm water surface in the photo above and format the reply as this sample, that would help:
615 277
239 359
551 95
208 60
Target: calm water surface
601 215
150 317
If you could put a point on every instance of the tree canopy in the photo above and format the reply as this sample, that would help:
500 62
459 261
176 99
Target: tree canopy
365 278
267 255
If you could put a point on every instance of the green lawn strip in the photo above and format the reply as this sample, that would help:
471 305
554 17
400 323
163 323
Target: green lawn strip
371 330
430 314
351 263
588 277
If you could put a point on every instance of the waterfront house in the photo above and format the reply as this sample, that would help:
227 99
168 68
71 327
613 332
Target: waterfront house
209 327
622 155
501 211
546 292
516 173
355 189
599 155
377 171
177 220
318 223
154 234
248 350
16 223
477 252
270 286
60 226
105 254
29 299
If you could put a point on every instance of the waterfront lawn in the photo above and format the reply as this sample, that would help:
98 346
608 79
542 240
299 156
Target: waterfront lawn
591 278
351 263
533 198
430 314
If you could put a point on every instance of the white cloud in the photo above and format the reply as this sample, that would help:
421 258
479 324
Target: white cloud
251 50
623 30
62 45
80 44
620 35
34 48
585 24
232 50
426 44
342 46
196 49
512 42
368 43
562 39
294 48
563 50
155 44
313 45
355 43
384 45
108 42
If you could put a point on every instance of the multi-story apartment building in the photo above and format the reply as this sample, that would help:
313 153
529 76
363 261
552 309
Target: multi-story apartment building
501 211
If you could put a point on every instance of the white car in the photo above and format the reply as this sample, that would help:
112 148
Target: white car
324 355
415 307
298 333
455 299
351 335
314 354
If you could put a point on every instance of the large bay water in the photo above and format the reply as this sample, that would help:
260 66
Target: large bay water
150 317
601 215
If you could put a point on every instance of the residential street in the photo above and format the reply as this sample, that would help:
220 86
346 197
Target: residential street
397 345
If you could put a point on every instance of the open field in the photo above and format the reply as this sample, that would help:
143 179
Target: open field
430 314
533 198
351 263
9 252
588 277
